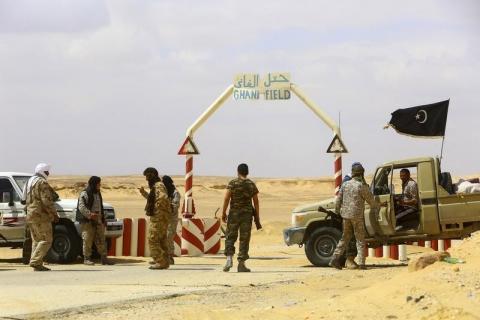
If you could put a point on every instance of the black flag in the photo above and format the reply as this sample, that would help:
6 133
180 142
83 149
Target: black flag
423 121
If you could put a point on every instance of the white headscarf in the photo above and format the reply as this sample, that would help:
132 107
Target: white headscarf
41 168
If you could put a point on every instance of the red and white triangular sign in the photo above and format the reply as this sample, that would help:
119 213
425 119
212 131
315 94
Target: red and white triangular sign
337 146
188 147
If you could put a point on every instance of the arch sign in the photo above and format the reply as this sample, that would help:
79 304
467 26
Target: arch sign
252 86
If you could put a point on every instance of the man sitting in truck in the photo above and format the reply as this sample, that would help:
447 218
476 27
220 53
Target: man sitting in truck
406 208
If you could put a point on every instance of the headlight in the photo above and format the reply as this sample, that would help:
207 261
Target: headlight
297 219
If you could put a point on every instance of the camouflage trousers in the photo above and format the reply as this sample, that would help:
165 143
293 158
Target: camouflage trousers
352 227
42 237
238 223
157 241
172 231
93 233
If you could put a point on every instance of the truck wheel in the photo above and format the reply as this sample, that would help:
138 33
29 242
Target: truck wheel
321 245
65 246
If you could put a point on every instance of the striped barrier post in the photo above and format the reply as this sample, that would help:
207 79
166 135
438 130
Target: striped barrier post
188 208
142 236
192 237
371 252
147 246
338 172
402 252
119 246
448 244
111 246
386 252
127 236
134 238
394 252
212 235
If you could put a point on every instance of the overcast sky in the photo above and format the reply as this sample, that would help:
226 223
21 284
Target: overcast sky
110 87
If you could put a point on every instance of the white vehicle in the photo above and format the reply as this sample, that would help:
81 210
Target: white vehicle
67 242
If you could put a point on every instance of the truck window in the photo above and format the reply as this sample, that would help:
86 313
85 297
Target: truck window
381 182
21 181
6 187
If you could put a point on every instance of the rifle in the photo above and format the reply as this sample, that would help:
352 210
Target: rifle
256 218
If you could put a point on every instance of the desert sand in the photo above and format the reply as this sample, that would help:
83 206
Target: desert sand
386 291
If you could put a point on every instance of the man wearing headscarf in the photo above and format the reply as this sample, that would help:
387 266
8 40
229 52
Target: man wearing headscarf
92 221
174 197
39 200
159 210
350 204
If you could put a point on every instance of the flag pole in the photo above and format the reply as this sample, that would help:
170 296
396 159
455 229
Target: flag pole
441 151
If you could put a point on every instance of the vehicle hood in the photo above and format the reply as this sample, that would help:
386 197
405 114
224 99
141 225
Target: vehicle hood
70 204
327 204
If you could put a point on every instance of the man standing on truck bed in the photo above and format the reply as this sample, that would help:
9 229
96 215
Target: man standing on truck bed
41 213
92 221
239 196
350 205
407 209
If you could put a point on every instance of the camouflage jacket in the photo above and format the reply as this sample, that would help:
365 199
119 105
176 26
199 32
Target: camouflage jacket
351 199
40 203
163 207
242 191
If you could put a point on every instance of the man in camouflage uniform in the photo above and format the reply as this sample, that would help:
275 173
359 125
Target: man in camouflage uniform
159 210
41 213
239 195
91 216
350 205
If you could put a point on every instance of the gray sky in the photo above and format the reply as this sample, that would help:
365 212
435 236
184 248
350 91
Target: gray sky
110 87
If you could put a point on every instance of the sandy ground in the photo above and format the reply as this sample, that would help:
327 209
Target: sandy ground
282 285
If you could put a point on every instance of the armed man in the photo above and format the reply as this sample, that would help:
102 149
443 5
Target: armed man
41 212
350 205
91 216
239 195
159 210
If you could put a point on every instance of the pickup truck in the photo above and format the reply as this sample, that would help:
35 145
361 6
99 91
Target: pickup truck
67 242
442 213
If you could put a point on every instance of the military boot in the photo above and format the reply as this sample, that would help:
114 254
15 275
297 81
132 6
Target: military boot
335 263
228 264
242 267
350 264
88 262
171 261
40 268
106 262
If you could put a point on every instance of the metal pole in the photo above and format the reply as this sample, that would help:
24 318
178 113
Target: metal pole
211 110
188 209
330 123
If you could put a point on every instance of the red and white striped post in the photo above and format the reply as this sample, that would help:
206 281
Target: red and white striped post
188 210
188 149
338 172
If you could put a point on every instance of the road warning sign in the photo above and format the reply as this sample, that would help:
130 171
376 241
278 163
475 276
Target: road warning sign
188 147
337 146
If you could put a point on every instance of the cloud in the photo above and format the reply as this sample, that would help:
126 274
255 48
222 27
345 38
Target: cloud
111 87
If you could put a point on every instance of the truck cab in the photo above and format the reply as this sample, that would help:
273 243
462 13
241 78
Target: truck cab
441 213
67 242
